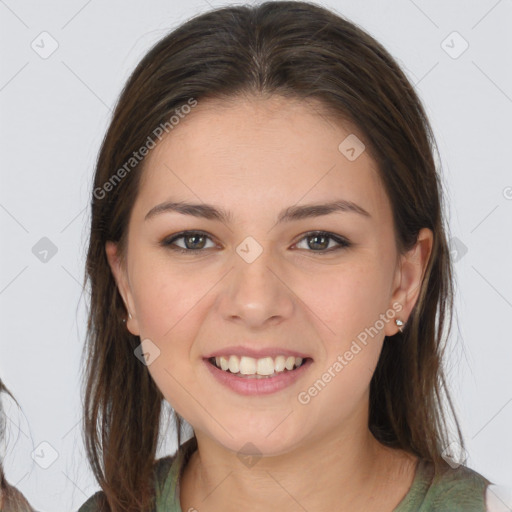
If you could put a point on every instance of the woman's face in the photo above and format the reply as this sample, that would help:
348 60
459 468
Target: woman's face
261 287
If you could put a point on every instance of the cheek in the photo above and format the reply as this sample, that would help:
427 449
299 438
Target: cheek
167 314
353 300
170 304
338 387
348 299
164 297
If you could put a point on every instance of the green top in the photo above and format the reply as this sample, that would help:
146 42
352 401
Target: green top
456 490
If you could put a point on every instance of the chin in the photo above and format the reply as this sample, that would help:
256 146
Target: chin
261 440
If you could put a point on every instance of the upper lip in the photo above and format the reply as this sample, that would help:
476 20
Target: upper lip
255 353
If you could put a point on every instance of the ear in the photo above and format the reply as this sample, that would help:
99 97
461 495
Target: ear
409 277
120 274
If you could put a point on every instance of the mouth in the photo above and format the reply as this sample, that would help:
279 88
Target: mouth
262 368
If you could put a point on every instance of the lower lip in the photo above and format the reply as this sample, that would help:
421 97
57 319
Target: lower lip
254 386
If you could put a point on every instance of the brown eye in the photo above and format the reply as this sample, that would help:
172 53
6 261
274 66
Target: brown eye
194 241
319 241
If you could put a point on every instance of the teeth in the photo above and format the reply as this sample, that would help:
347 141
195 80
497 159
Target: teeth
264 366
247 365
290 361
224 365
234 364
279 363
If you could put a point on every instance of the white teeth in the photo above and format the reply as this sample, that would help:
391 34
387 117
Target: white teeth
279 363
290 361
265 366
224 365
234 364
247 365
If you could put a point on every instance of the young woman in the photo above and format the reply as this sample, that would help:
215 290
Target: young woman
268 255
11 500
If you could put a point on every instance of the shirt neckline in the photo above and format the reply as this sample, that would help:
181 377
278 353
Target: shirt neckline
419 485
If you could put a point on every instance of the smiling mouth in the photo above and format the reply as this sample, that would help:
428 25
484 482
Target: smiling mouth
263 368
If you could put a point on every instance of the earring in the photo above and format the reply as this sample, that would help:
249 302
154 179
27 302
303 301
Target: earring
129 316
399 324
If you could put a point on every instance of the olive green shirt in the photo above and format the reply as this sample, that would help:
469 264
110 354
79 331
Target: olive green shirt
457 490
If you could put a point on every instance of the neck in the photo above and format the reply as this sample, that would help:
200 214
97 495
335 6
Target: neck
349 472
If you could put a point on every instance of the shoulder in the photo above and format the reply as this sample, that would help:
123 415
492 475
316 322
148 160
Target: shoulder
161 470
93 503
457 489
163 465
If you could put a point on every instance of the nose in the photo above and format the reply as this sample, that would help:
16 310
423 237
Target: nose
256 294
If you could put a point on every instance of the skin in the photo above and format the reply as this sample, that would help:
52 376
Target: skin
255 157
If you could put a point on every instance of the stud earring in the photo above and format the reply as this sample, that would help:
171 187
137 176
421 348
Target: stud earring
399 324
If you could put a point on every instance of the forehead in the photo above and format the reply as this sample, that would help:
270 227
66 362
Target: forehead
261 153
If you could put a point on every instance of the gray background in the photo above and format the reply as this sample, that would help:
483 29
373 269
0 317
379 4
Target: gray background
54 112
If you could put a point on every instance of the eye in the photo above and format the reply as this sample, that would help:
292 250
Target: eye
320 242
194 242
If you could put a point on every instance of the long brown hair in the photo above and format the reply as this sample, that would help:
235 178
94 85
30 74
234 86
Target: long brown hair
3 482
11 500
296 50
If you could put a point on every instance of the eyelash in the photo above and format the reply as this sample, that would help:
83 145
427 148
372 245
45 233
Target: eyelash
168 242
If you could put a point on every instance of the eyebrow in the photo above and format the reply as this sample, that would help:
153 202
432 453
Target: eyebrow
292 213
